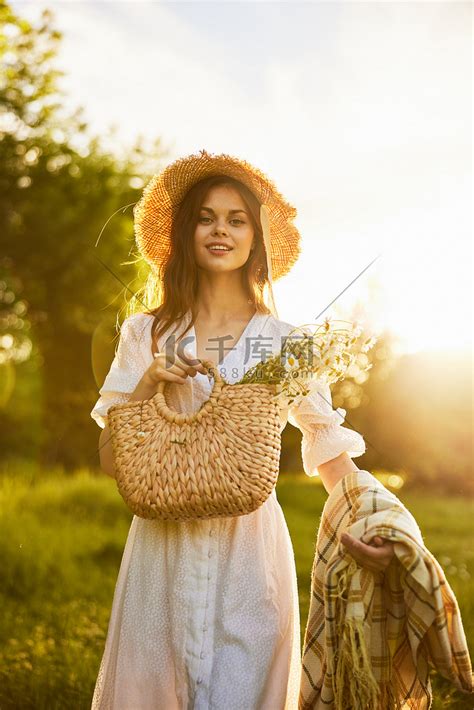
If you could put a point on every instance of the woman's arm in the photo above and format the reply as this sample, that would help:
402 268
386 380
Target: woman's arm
144 390
376 555
332 471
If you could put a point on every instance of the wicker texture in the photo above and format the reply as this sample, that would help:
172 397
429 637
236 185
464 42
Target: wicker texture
220 461
154 212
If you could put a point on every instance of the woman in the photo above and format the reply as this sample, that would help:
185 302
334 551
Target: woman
205 613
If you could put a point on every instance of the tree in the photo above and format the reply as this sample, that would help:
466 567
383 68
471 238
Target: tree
59 185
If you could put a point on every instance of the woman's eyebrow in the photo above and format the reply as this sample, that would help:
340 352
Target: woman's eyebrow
209 209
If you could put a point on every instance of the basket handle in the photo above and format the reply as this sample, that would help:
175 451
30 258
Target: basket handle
173 416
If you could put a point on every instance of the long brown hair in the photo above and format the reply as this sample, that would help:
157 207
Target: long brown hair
175 284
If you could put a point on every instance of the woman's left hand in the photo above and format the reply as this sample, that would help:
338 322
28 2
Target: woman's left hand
375 556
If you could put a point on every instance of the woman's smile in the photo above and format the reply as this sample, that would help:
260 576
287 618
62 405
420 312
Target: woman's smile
219 249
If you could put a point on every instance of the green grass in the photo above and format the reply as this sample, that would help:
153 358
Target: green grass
61 542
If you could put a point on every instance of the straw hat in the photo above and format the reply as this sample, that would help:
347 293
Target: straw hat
153 214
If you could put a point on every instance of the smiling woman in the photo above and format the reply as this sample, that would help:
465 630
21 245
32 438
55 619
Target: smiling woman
205 612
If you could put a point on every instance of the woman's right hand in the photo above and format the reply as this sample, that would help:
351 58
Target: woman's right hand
173 366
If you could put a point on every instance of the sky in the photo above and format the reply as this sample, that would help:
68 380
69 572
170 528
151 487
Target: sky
360 112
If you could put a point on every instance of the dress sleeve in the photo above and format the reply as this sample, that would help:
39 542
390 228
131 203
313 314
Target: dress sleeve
324 437
125 372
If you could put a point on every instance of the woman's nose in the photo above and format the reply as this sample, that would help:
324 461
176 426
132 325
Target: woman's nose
220 229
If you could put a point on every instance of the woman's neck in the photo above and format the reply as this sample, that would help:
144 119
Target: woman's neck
223 299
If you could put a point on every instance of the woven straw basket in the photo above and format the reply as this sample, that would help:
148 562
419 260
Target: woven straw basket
220 461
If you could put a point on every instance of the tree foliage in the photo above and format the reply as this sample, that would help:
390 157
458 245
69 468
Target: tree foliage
58 187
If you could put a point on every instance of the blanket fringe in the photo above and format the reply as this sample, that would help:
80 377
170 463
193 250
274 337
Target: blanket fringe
354 684
355 687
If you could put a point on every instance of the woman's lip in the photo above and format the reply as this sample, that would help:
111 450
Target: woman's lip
218 252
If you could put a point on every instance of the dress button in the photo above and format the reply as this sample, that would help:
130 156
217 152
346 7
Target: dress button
202 654
209 554
204 628
199 680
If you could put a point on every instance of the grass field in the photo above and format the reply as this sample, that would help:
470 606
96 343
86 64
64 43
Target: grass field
61 541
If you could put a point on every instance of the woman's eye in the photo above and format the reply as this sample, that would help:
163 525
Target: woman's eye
206 220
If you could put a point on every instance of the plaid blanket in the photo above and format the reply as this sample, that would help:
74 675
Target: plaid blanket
372 637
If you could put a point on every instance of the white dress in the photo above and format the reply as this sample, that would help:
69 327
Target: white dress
205 613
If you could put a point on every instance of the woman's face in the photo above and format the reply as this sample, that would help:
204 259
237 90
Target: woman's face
223 220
